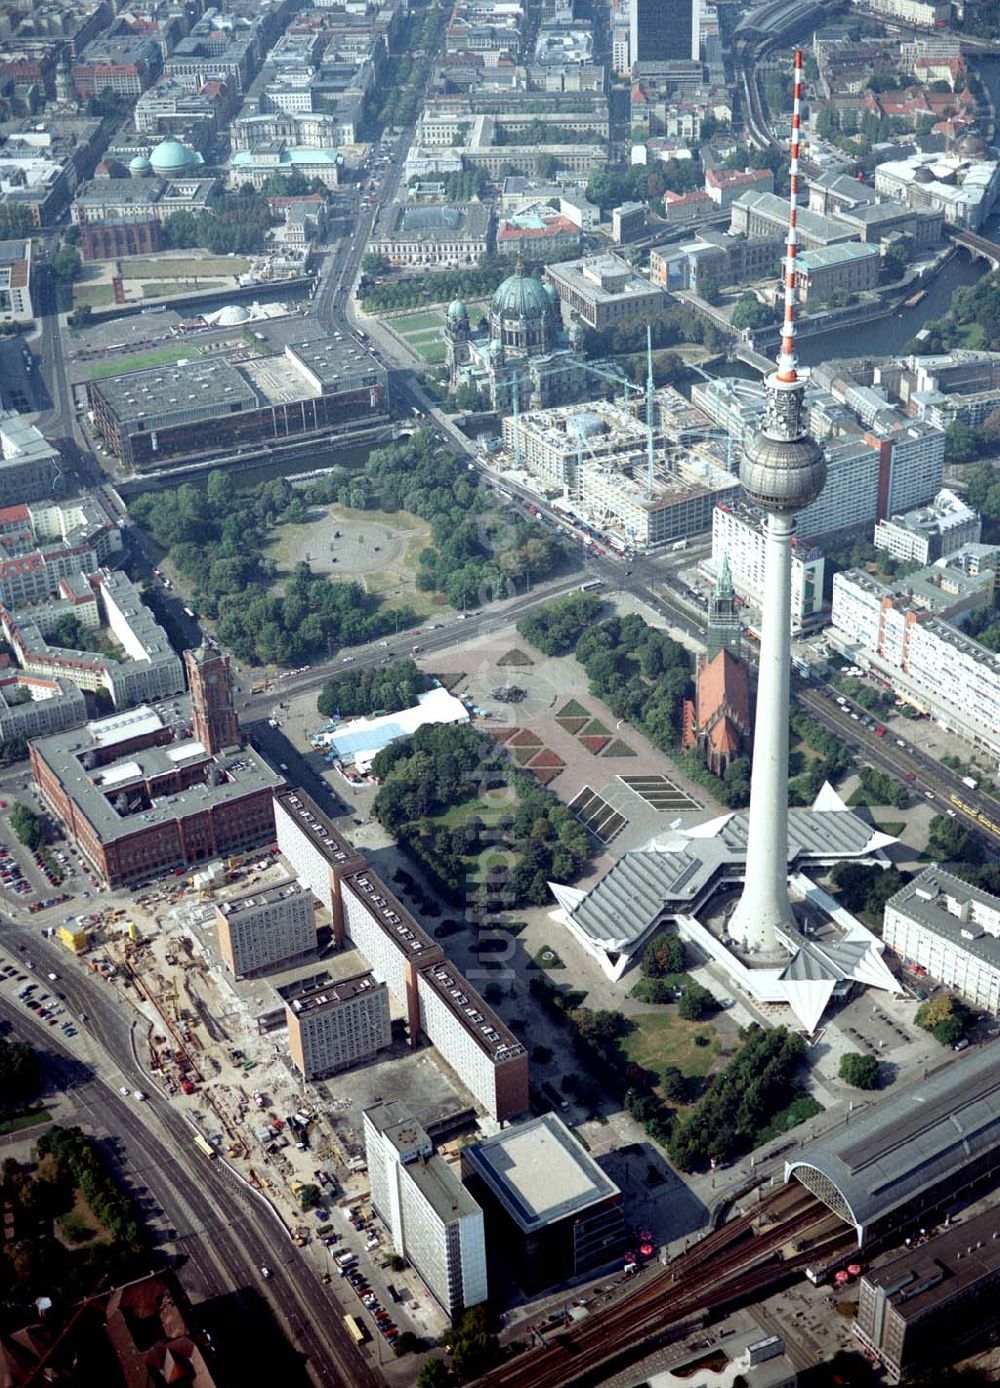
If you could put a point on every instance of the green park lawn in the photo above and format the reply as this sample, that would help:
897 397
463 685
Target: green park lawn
183 267
96 295
659 1039
161 356
172 289
413 324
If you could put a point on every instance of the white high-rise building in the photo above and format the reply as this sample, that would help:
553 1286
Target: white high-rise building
739 532
930 532
433 1220
928 661
950 929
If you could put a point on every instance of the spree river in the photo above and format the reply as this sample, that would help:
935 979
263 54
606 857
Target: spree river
887 336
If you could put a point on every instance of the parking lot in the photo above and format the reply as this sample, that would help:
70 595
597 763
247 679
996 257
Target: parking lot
38 995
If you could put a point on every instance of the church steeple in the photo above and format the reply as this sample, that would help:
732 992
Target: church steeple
724 631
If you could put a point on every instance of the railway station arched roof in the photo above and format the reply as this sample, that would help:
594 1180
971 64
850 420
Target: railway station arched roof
908 1146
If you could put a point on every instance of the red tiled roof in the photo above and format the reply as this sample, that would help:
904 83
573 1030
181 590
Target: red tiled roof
722 685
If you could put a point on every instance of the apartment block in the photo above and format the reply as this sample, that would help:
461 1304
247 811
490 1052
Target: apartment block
334 1024
151 669
32 707
952 930
469 1035
738 534
931 663
15 281
29 464
433 1220
916 1304
319 856
390 939
930 532
264 927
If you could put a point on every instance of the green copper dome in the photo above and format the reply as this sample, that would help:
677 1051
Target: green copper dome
457 311
170 157
521 296
140 165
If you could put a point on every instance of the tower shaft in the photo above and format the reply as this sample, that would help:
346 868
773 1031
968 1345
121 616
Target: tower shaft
764 905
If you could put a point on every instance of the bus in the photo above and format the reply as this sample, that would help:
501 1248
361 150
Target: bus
591 584
355 1329
204 1146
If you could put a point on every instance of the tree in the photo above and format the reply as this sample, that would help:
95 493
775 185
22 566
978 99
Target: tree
674 1084
310 1196
859 1070
19 1074
695 1002
31 829
749 313
961 444
434 1373
896 261
66 263
81 316
665 954
709 289
373 264
944 1017
405 1343
949 840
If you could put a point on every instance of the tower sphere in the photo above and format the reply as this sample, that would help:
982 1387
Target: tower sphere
782 474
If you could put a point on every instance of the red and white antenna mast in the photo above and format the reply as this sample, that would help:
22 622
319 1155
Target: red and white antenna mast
787 362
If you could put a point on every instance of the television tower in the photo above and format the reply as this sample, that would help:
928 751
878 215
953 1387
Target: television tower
782 471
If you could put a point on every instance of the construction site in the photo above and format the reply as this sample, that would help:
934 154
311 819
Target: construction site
217 1046
623 470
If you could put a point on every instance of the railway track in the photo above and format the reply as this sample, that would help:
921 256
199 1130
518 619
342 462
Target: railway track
750 1254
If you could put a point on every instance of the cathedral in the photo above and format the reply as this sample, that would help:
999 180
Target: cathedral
523 350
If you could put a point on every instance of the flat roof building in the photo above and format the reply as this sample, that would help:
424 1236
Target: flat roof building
911 1153
151 418
952 930
436 234
29 465
549 1206
738 535
266 926
931 663
432 1218
469 1036
929 532
918 1304
15 281
472 1038
139 797
334 1024
604 291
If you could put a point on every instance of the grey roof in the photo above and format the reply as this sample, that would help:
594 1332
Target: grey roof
934 898
813 225
656 881
94 790
176 394
539 1172
442 1189
439 222
909 1144
336 365
642 885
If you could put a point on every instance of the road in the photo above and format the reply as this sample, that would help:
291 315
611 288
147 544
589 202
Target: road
231 1232
929 778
